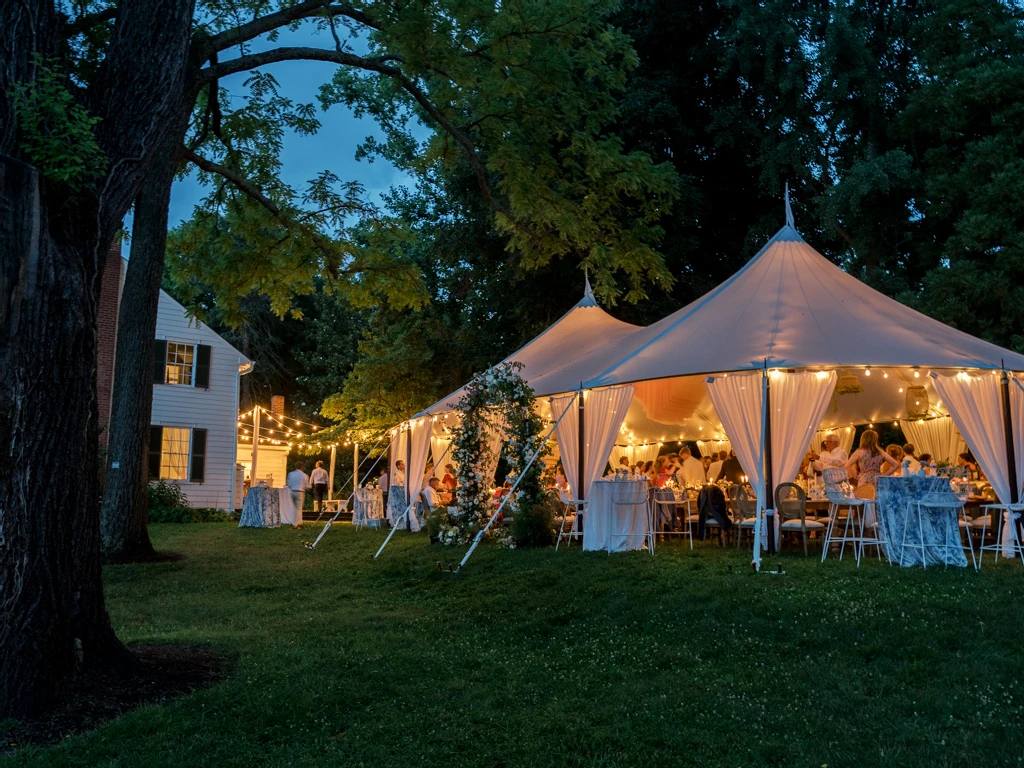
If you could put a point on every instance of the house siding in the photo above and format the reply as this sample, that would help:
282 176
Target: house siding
214 409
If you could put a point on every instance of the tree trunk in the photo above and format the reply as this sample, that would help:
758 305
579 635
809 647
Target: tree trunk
125 517
52 615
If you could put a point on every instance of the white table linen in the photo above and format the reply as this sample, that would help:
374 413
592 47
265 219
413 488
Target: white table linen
607 527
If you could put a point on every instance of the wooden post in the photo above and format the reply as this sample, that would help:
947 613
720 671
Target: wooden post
330 481
255 445
769 484
582 450
1011 458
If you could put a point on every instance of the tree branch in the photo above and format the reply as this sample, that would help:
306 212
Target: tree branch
90 20
264 24
380 65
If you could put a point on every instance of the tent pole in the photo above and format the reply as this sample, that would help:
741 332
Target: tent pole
408 467
1011 459
582 451
255 446
769 484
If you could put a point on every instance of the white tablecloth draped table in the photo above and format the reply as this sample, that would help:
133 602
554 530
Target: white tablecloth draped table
368 507
266 507
610 528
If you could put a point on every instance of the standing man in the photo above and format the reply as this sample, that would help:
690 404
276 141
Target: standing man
298 483
320 479
399 478
832 456
908 455
384 481
691 470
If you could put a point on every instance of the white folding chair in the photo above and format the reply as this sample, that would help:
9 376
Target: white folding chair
578 508
1008 513
840 495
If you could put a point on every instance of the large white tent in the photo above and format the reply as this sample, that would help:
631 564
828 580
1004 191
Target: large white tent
791 322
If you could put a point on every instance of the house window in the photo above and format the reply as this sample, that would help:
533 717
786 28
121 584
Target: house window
180 361
174 452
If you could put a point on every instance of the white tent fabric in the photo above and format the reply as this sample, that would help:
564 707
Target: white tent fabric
399 438
797 400
419 437
633 453
708 447
440 454
938 437
976 405
603 412
845 436
794 308
581 343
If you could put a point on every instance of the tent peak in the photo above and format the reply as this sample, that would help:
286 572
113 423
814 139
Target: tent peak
789 211
588 299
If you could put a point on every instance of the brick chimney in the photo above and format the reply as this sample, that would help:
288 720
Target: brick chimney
106 341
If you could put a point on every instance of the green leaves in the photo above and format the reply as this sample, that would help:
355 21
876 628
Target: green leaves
56 131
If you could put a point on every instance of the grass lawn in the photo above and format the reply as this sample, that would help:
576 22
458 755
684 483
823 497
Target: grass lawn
537 658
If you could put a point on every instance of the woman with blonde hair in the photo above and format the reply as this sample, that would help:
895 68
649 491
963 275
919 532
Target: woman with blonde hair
867 460
897 453
662 471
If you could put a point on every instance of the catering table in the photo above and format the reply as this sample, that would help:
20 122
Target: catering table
613 528
368 507
896 497
266 507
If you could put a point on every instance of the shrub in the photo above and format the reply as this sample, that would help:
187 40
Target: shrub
169 504
533 525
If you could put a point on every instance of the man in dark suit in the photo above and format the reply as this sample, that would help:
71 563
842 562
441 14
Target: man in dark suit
731 469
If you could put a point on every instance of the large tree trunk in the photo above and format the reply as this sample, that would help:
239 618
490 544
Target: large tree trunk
53 620
125 518
52 615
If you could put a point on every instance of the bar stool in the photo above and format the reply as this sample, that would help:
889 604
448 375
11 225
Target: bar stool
840 495
939 496
632 495
667 499
579 508
1011 511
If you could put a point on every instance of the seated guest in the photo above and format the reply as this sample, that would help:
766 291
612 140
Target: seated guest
649 471
430 495
706 461
925 459
908 455
717 459
661 473
561 481
967 460
449 477
623 463
897 453
831 454
867 460
501 492
731 469
691 471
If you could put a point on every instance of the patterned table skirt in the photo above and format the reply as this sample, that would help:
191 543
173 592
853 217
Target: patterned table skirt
262 508
939 528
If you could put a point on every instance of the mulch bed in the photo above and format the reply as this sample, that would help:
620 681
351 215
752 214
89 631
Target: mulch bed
166 671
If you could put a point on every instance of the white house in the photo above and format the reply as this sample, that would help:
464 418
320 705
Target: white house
194 424
194 434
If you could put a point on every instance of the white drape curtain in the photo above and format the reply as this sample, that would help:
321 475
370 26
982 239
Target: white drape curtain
440 454
633 453
975 403
604 410
938 437
419 437
845 436
707 447
798 403
397 450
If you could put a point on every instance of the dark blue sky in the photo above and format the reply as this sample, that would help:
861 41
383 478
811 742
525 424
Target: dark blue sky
333 148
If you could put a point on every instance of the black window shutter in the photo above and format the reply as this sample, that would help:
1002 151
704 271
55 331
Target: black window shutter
156 442
198 463
159 361
203 366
